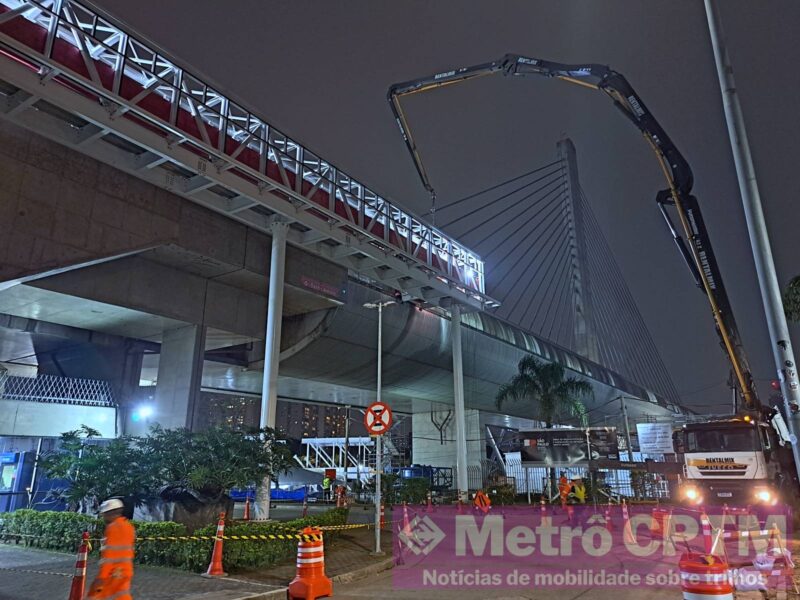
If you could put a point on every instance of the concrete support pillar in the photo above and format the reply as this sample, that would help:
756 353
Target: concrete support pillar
458 398
272 347
180 371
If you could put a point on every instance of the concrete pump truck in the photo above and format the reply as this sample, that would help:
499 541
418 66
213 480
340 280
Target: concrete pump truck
741 458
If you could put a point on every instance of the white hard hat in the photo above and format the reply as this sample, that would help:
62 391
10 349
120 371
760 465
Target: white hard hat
112 504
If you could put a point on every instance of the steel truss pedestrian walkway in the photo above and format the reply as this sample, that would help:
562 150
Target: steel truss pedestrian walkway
81 80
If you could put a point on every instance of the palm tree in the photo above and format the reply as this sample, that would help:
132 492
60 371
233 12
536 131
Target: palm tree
554 396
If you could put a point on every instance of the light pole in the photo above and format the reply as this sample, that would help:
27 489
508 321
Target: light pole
627 426
378 445
782 352
346 445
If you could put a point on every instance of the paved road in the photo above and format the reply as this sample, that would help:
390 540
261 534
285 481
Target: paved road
18 582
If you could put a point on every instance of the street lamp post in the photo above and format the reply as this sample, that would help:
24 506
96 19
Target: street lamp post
378 438
627 427
782 352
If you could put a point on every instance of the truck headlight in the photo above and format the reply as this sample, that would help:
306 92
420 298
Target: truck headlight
692 494
766 496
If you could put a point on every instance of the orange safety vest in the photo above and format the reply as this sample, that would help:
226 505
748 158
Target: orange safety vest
113 581
563 487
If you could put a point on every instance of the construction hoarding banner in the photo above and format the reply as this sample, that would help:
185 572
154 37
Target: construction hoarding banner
567 447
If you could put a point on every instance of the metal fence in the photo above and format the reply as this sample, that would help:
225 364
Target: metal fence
609 484
56 389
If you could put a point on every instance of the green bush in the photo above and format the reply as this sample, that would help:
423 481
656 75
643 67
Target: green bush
159 552
47 529
502 494
255 553
413 490
62 531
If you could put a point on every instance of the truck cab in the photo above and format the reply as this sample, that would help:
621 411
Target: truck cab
734 460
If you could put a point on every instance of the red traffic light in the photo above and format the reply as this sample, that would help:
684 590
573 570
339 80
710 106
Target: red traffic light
775 385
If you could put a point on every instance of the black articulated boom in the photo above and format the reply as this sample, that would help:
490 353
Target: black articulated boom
695 246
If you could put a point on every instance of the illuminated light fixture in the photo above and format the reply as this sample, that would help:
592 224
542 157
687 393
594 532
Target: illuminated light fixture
142 413
764 496
692 494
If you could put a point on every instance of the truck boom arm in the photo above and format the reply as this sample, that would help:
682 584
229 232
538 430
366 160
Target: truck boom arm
699 255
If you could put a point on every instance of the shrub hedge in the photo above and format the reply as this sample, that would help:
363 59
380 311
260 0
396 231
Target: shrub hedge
62 531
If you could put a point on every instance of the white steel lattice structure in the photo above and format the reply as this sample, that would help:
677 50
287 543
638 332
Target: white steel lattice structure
355 457
60 390
171 128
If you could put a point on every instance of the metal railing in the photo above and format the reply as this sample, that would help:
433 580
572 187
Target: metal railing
59 390
80 48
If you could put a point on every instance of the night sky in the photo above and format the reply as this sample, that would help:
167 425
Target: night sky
320 70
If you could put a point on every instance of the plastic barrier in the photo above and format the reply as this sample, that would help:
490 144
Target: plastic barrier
310 582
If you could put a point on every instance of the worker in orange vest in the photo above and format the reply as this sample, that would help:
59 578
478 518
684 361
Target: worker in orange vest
563 487
113 581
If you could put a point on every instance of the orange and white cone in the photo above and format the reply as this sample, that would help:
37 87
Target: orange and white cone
570 513
406 522
542 508
429 507
399 560
215 566
627 530
310 582
705 576
383 516
79 578
708 533
607 516
246 516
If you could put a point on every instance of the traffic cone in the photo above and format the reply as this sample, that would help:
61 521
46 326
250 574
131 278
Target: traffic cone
383 516
406 521
79 578
310 582
708 533
627 530
429 507
705 577
609 523
399 560
658 521
215 566
339 497
246 516
570 513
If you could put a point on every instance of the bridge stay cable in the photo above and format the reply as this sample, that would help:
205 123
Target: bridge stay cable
499 199
550 290
554 248
559 181
549 218
553 202
497 186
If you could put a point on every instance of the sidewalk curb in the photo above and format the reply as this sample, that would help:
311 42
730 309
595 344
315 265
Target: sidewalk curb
270 595
374 569
364 572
